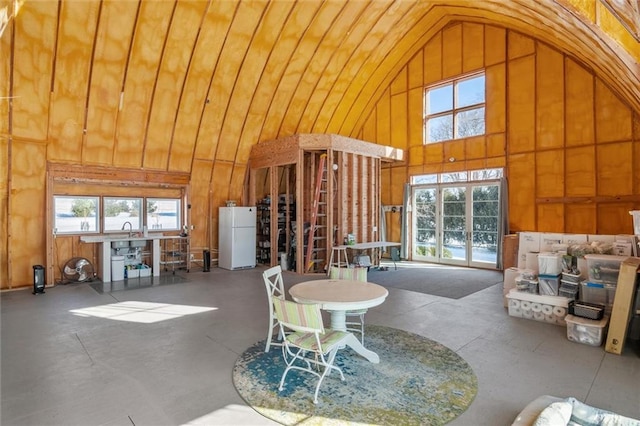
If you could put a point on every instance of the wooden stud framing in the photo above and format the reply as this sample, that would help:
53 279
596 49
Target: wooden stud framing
353 189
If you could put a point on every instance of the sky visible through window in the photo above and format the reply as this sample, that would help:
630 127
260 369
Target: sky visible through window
455 110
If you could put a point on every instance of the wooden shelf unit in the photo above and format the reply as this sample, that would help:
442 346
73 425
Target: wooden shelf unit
287 167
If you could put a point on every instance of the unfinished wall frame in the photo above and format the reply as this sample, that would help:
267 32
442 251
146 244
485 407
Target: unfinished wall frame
349 202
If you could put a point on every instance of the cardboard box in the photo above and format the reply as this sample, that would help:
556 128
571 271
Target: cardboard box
528 242
509 251
547 240
621 312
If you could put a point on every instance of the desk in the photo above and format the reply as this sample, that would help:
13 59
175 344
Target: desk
373 245
339 296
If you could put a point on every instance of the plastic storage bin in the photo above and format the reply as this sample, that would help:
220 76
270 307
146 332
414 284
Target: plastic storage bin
548 284
570 278
549 264
549 309
586 331
527 285
603 267
145 271
599 293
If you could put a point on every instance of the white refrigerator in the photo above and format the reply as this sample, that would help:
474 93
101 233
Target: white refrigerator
237 237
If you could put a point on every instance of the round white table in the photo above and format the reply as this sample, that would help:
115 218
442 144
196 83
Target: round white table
339 296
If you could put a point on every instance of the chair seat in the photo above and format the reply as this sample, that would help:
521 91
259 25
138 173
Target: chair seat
308 341
357 312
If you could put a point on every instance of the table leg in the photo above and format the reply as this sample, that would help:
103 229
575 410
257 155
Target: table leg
338 319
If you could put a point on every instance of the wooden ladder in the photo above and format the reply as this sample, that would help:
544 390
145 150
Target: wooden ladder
320 190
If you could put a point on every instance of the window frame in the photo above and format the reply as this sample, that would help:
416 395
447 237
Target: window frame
178 212
455 111
96 218
135 227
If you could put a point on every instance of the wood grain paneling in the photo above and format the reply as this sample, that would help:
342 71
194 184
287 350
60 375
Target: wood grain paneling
416 132
433 60
495 45
399 122
415 71
108 68
613 218
580 165
521 104
549 174
33 55
613 118
522 189
452 51
614 173
72 63
151 30
549 98
579 99
520 45
169 83
472 47
550 217
580 218
496 108
26 231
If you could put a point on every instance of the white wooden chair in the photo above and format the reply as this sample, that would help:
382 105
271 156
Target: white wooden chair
306 341
355 274
275 289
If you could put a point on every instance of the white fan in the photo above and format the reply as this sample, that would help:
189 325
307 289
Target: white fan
78 269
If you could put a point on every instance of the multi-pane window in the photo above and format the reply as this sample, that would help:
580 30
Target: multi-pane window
92 214
455 109
471 176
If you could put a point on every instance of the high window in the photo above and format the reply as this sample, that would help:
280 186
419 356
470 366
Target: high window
122 213
95 214
163 213
76 215
455 109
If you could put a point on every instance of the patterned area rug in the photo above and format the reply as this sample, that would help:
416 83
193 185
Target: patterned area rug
417 382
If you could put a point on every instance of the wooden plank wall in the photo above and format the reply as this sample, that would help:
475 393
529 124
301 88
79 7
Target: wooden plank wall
569 146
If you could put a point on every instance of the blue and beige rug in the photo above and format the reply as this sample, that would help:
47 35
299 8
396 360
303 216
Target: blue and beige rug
418 382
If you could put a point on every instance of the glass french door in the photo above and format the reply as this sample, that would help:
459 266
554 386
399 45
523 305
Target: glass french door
456 223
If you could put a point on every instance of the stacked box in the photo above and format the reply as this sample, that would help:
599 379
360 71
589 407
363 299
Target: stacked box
602 294
549 309
586 331
570 278
568 289
549 264
527 285
603 268
548 284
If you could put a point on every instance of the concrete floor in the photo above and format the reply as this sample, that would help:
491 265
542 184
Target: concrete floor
69 359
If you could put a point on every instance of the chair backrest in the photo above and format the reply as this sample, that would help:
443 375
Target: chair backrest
273 282
355 274
299 316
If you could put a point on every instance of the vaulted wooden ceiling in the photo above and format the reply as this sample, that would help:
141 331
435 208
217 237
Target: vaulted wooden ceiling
161 84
